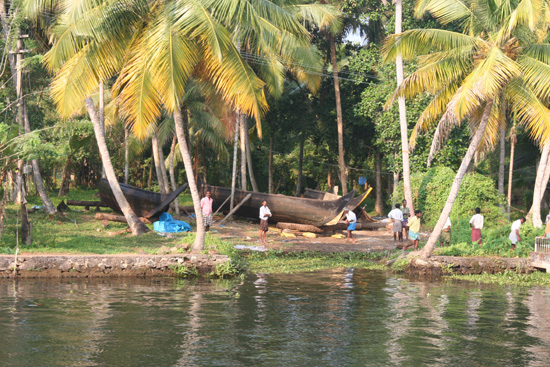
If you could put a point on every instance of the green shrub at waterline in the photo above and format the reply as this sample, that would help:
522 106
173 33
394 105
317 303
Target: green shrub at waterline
495 241
430 191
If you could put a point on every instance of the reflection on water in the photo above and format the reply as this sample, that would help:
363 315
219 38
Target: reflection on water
334 318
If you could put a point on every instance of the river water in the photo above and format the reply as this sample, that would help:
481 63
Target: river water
331 318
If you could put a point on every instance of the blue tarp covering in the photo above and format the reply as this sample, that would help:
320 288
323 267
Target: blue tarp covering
167 224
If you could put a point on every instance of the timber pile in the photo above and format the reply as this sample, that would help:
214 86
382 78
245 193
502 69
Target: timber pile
118 218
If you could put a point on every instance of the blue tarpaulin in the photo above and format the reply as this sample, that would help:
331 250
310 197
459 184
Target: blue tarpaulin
167 224
362 180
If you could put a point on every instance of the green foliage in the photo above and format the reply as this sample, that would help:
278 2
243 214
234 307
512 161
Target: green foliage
431 189
182 271
495 242
509 277
230 268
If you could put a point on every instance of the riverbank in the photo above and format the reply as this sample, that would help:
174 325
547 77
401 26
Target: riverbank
98 266
77 245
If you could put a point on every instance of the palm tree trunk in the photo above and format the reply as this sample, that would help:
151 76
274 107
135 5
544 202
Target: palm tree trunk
243 133
502 157
172 172
249 157
300 164
476 139
534 212
270 167
511 167
38 182
403 114
379 204
102 115
156 158
198 244
163 170
136 226
126 156
339 116
235 152
64 187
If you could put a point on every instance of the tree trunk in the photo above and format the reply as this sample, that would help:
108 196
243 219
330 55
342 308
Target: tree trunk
379 204
102 116
249 157
172 172
234 171
300 163
25 225
198 244
163 170
126 157
64 187
339 116
270 167
135 224
502 157
395 183
38 182
150 179
156 158
476 139
511 167
243 133
534 212
403 114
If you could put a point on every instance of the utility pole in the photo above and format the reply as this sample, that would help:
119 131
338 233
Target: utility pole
21 197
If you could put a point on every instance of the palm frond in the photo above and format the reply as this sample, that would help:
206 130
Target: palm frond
415 42
445 11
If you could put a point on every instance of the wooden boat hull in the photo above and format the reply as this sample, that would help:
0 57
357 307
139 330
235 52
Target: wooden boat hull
283 208
144 203
323 195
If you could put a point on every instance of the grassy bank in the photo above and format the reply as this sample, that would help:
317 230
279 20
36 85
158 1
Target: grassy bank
507 278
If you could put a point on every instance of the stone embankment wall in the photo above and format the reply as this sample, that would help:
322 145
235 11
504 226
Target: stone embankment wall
73 266
438 265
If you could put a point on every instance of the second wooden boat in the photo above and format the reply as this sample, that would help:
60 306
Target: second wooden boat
283 208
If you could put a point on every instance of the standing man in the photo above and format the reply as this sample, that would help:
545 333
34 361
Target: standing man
446 233
206 208
414 230
265 213
406 215
351 221
476 223
396 215
514 234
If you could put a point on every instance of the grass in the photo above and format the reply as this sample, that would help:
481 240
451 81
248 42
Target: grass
507 278
78 231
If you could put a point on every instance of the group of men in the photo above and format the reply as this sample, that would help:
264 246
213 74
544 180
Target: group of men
403 223
411 227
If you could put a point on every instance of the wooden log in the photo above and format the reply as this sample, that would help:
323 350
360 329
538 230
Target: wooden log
299 227
117 218
360 226
244 200
85 203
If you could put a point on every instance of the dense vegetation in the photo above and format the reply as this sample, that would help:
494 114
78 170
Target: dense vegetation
291 129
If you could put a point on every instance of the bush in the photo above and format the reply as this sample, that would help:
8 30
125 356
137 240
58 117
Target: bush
495 242
431 189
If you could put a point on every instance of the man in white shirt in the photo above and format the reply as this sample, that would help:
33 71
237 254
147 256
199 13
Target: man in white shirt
351 221
476 223
396 215
446 233
265 213
514 234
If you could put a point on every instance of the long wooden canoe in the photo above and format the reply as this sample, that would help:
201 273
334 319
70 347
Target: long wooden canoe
283 208
144 203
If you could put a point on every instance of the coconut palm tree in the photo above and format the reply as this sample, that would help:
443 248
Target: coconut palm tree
154 48
499 65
